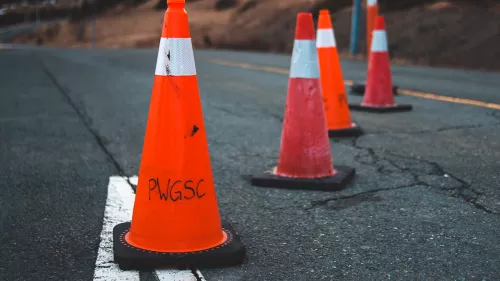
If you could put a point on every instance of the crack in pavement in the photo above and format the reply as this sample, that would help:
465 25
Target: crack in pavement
368 156
85 118
464 191
319 203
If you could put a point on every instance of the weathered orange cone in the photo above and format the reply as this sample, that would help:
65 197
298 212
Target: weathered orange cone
305 160
338 117
175 220
379 96
372 12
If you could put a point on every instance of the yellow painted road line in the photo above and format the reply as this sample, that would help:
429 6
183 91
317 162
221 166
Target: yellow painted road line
350 83
449 99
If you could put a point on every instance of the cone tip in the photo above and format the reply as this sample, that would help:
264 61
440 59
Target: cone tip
304 29
304 16
324 21
176 1
380 23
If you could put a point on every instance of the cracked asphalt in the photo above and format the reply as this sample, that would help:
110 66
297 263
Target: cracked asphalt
424 204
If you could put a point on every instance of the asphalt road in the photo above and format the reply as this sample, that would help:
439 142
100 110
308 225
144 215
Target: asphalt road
424 205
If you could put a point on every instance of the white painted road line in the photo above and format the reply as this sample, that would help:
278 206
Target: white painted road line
201 278
171 275
119 205
118 209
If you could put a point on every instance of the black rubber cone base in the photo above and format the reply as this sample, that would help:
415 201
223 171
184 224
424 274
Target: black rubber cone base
359 89
354 131
376 109
128 257
334 183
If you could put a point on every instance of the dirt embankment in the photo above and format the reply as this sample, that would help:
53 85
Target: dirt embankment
464 34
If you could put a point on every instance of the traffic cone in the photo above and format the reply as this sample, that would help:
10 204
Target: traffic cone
338 117
379 97
305 160
175 221
372 11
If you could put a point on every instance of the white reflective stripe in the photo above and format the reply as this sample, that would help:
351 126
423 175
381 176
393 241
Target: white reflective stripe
325 38
304 60
175 57
371 2
379 41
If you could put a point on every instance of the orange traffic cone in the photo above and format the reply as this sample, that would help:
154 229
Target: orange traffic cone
338 117
305 160
175 219
379 97
372 12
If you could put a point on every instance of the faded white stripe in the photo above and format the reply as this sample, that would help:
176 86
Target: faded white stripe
325 38
119 207
200 276
173 275
134 180
304 60
175 57
379 41
371 2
